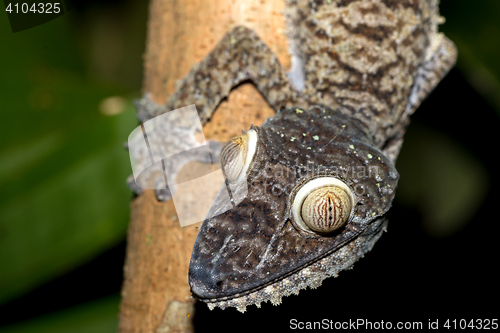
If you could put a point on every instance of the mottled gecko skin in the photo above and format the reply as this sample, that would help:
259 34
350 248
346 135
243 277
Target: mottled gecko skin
258 244
359 69
366 57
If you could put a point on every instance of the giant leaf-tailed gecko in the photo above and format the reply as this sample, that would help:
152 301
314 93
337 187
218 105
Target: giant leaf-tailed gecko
320 173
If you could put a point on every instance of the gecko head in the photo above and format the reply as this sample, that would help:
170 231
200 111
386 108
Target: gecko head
318 193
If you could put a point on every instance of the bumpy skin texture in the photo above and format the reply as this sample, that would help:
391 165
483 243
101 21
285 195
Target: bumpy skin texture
366 57
359 70
258 242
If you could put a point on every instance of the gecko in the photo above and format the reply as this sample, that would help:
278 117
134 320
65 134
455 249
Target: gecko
320 173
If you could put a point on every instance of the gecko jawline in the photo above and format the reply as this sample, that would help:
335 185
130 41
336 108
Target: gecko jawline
257 251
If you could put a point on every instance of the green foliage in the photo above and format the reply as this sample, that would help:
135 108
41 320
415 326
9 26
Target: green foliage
441 179
475 28
63 167
444 182
94 317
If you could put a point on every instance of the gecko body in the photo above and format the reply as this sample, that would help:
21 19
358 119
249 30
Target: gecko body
360 69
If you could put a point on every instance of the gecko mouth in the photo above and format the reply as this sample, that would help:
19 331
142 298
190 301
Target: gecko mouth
310 275
200 286
240 251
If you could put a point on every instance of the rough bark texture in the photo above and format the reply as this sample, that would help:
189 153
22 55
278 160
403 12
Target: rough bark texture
155 295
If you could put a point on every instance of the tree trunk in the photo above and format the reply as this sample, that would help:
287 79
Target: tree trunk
155 295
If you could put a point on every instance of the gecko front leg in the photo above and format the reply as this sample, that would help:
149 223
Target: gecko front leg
240 56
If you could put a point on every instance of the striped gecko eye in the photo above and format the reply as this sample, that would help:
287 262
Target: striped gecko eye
237 154
323 205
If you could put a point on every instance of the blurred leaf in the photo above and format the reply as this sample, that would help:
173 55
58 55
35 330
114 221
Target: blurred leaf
474 27
96 317
63 197
441 179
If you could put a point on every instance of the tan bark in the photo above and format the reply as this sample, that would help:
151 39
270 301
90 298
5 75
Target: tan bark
155 295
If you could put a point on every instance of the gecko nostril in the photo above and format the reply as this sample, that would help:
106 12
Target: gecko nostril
219 283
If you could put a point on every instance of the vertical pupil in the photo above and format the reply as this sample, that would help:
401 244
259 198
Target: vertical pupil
326 209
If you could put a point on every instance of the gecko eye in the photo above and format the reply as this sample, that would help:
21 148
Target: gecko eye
237 154
323 205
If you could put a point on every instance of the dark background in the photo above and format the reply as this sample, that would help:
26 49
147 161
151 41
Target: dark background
66 108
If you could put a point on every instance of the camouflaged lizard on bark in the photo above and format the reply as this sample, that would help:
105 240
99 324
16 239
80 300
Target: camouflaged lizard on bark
320 173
